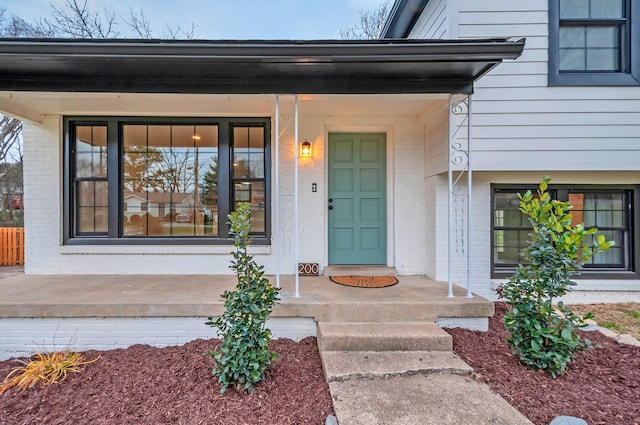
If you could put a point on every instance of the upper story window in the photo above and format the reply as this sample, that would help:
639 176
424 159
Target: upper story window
594 42
172 180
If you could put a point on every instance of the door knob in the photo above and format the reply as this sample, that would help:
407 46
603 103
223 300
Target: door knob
330 207
330 199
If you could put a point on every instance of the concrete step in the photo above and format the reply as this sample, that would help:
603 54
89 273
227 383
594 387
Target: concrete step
345 365
383 336
393 309
360 271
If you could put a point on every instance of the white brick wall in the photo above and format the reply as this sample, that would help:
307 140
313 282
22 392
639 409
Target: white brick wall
24 336
409 202
45 253
42 184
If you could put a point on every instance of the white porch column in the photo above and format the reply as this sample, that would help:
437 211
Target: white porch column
276 228
459 211
279 240
296 200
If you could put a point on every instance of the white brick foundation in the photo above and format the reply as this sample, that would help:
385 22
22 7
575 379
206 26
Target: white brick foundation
23 336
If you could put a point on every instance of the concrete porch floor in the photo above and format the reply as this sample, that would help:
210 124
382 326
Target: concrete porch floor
413 298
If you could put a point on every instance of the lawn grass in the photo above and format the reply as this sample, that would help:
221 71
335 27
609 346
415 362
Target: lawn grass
620 317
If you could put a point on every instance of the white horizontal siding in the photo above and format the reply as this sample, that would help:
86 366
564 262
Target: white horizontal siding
504 5
521 123
505 17
564 106
554 119
519 68
542 131
436 128
546 162
502 29
522 80
608 96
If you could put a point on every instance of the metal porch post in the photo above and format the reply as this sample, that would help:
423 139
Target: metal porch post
469 192
276 230
460 159
295 165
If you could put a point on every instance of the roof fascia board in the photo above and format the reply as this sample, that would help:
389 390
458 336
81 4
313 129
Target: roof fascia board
402 18
298 52
250 67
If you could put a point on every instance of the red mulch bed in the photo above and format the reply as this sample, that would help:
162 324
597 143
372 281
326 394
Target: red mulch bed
174 385
602 385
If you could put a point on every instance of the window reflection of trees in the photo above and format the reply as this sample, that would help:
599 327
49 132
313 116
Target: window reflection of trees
152 167
91 179
171 170
91 159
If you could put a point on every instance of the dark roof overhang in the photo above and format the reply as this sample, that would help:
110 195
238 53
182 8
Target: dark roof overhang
250 67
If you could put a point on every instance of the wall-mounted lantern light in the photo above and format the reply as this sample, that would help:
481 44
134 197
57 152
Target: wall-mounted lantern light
305 148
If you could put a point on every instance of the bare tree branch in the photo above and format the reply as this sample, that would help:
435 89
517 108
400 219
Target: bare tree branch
77 21
14 27
371 24
139 24
180 33
10 131
10 189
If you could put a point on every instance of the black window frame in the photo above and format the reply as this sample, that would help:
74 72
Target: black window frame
632 233
115 183
630 51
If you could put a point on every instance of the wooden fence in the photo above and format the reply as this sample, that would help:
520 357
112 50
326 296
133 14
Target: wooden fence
11 246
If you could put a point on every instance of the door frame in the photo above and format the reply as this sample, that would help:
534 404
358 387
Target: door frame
387 130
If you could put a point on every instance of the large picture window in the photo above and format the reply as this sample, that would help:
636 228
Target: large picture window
611 210
594 42
149 180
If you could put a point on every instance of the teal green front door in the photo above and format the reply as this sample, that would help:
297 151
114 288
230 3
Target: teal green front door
357 199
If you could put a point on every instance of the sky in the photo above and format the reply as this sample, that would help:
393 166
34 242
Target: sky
223 19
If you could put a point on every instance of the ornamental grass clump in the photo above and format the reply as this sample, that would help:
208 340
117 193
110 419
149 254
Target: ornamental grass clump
243 357
543 335
44 369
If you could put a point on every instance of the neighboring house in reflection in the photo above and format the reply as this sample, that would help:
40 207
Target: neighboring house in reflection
164 205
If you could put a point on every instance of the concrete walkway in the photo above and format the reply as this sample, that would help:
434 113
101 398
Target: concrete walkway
421 400
406 388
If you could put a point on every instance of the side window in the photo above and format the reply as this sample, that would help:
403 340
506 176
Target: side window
89 179
611 210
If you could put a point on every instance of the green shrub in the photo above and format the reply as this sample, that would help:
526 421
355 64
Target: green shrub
243 357
542 336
